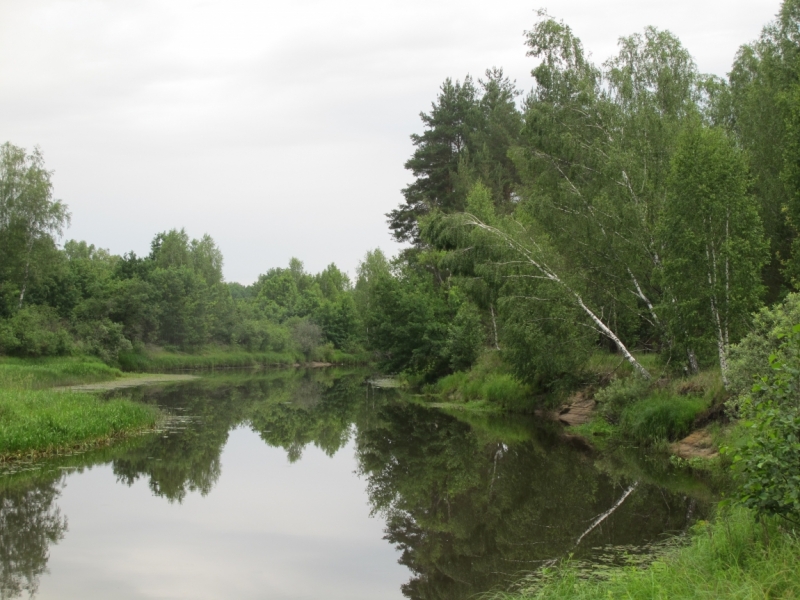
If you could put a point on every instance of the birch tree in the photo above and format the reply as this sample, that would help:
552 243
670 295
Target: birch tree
594 160
28 213
518 246
713 243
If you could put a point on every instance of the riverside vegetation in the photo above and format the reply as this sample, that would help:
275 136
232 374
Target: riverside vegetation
627 231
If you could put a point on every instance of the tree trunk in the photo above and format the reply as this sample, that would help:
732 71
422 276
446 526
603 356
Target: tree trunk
549 274
494 327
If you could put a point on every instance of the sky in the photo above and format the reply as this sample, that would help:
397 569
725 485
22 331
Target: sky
279 128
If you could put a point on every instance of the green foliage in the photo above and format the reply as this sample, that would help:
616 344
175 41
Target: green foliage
713 243
46 372
29 221
34 331
407 321
465 338
486 381
750 358
619 394
768 466
46 420
161 361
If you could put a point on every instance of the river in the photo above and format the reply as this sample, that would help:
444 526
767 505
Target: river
308 485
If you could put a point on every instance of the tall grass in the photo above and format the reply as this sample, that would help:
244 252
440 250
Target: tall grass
47 372
40 421
733 557
660 416
221 358
484 383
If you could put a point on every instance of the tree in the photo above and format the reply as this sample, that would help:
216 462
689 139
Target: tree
712 241
520 249
763 82
28 214
466 139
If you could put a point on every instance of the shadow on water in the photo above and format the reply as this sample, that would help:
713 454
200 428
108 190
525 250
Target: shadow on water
471 502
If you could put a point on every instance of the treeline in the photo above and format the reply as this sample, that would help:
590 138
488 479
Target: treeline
634 205
80 299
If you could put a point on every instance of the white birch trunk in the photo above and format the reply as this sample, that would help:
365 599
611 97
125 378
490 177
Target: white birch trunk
549 274
721 346
494 328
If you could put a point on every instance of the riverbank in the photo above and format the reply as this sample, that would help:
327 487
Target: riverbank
735 556
673 419
37 420
158 360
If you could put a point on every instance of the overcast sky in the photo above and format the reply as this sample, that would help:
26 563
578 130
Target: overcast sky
279 128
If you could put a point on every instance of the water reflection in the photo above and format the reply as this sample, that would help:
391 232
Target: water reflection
29 522
471 511
469 502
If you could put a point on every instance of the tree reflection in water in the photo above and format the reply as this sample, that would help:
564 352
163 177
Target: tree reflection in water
471 509
470 502
29 522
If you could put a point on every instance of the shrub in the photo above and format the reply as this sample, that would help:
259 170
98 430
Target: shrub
34 331
768 465
102 338
464 338
620 393
749 359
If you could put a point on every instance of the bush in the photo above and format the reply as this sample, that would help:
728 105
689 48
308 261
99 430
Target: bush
464 338
102 338
260 336
34 331
768 465
748 360
620 393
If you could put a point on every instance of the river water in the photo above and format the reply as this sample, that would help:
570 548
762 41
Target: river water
308 485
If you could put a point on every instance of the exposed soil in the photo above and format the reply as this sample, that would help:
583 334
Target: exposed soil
697 444
579 410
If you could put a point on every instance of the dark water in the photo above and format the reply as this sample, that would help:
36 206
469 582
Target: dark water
313 485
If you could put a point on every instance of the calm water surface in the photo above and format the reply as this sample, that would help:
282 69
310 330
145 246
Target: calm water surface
312 485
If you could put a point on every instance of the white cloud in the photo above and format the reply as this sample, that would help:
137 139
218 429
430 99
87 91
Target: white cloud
280 128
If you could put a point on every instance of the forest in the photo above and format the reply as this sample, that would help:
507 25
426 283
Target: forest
636 213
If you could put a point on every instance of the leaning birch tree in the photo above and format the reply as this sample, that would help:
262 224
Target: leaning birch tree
518 247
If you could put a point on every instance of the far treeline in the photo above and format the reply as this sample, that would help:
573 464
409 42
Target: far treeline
82 300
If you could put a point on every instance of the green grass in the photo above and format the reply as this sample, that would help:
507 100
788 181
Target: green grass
487 382
735 557
35 420
159 362
660 416
47 372
45 421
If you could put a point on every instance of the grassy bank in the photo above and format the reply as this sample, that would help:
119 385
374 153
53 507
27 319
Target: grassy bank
35 420
487 385
160 361
652 413
736 556
37 373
